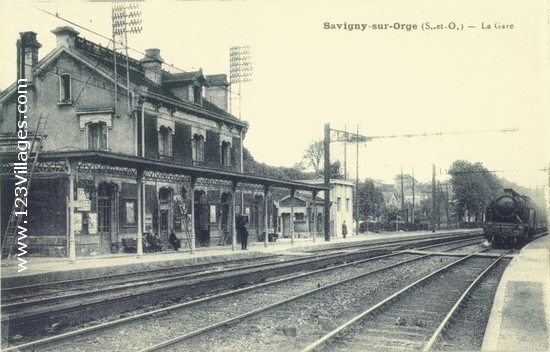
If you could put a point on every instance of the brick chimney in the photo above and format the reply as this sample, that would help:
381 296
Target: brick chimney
152 64
216 90
65 36
27 55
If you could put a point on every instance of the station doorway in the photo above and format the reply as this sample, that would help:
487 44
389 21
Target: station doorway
106 215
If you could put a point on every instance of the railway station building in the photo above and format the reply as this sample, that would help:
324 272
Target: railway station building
123 151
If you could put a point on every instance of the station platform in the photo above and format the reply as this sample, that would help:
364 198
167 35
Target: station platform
520 316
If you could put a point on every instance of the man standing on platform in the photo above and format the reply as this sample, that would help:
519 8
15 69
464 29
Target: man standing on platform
243 232
344 229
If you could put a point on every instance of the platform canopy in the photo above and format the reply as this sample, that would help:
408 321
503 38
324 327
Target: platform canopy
116 161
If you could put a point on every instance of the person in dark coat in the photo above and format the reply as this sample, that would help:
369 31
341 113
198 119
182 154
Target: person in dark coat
174 241
151 241
244 235
344 229
158 242
148 239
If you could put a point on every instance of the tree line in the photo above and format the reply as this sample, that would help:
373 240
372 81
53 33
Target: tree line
462 198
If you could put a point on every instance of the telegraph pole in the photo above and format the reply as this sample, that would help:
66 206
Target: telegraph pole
447 203
240 70
402 192
357 185
326 218
126 19
345 155
412 215
433 198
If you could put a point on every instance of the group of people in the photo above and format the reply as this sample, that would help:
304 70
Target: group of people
153 243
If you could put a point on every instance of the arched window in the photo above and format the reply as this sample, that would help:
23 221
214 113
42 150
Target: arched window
97 136
226 154
165 141
198 149
165 195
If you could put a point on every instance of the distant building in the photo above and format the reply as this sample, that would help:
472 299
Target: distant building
300 215
342 206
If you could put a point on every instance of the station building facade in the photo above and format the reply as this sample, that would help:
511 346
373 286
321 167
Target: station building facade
117 157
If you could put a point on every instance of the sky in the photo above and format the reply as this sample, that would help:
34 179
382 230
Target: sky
465 81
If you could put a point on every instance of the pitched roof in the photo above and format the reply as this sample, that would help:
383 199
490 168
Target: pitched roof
183 77
101 60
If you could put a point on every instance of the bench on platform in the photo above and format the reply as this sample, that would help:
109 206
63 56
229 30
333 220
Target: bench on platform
130 245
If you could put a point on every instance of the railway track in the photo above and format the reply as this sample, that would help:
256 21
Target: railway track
42 297
43 290
316 307
418 313
194 310
32 317
11 296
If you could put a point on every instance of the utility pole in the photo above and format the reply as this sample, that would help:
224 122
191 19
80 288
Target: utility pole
412 215
240 70
433 198
345 156
357 185
327 181
342 136
126 19
447 203
402 192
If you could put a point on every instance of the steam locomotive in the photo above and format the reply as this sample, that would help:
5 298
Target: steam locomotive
510 218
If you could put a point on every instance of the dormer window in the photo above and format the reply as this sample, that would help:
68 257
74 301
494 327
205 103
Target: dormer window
65 88
197 94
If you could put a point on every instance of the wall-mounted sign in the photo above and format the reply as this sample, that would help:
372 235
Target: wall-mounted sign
82 203
92 223
77 222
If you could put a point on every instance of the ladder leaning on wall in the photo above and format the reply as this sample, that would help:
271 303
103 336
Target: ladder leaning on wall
185 220
10 235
